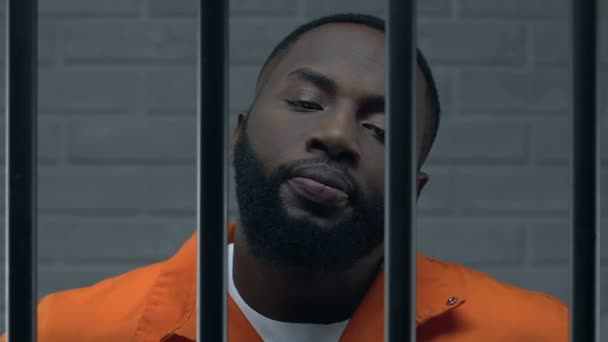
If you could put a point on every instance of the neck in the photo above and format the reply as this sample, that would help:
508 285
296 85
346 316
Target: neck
289 296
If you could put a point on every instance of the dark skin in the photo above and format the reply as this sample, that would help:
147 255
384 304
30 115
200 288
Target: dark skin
324 97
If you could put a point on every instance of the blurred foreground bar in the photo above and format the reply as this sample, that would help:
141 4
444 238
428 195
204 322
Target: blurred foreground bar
212 168
400 178
585 311
21 170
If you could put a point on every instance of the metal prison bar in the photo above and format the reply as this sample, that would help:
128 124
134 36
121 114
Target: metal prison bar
400 174
212 167
21 172
585 311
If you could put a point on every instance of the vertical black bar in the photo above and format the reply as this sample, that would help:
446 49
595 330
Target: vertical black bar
21 170
212 164
585 203
400 178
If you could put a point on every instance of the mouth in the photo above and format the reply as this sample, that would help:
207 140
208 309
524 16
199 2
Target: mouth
320 185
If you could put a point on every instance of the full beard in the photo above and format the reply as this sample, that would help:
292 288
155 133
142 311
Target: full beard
298 243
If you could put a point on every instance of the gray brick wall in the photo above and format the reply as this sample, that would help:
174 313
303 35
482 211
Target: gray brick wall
117 134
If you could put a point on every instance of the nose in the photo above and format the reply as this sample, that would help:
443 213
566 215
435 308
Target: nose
336 137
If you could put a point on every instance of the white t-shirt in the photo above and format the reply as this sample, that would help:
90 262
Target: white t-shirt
277 331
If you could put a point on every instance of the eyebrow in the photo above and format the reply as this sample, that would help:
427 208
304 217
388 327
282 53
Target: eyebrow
373 104
318 79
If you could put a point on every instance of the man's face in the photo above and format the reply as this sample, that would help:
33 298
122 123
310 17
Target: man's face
309 156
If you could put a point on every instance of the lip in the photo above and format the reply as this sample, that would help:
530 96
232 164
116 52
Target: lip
326 175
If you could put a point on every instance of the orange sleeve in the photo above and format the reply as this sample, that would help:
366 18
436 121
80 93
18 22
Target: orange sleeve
106 311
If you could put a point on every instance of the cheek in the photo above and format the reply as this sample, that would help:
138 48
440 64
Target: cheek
372 168
275 138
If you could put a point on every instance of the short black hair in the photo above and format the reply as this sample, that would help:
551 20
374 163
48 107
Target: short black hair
377 23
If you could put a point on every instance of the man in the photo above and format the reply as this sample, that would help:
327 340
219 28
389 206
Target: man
305 261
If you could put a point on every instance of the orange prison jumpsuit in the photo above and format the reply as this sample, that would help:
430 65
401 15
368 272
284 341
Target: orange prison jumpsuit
158 303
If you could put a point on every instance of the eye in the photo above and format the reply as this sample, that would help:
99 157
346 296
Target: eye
304 106
378 133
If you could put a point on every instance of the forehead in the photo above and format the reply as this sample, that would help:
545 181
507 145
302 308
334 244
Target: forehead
348 53
354 56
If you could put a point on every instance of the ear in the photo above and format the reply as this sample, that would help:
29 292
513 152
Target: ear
238 130
421 180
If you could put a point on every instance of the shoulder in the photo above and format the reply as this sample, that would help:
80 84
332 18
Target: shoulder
142 304
514 312
106 311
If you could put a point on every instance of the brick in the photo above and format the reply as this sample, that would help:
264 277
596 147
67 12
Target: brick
434 198
551 241
242 86
603 191
3 288
507 190
318 8
552 141
473 43
117 189
603 293
506 91
49 41
174 90
434 7
602 41
237 7
46 49
552 43
516 8
480 141
3 90
252 41
86 90
51 139
77 8
109 239
473 242
170 90
126 239
554 282
161 140
263 7
603 89
173 8
127 41
88 8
